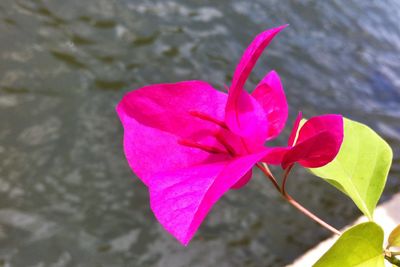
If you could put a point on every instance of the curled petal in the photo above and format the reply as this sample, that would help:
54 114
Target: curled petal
248 119
249 59
331 123
241 108
181 199
313 152
318 142
270 95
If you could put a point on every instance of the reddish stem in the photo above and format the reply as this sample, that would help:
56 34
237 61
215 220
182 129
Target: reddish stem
264 168
311 215
268 173
285 177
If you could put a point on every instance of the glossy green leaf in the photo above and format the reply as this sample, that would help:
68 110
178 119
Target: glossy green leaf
359 246
394 237
361 167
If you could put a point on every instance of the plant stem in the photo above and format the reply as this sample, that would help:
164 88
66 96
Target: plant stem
285 177
311 215
264 168
393 260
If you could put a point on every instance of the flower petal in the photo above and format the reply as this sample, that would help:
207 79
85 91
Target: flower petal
181 199
249 59
156 117
270 95
243 114
248 119
318 142
243 181
276 155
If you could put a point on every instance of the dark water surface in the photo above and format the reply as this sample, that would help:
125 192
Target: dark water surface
67 196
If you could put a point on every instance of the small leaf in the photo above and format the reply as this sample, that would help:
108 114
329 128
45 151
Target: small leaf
394 237
361 167
359 246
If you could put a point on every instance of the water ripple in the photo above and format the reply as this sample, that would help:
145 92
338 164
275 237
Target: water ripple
67 195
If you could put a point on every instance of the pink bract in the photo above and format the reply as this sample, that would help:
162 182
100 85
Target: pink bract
313 145
190 143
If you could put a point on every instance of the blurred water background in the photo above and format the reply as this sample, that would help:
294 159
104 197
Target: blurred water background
67 195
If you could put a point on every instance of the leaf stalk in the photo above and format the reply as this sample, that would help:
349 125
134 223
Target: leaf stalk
281 189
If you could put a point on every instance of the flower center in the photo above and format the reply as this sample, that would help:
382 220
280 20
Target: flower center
206 117
215 149
207 148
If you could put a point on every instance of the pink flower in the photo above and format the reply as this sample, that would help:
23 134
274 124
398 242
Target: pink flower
190 143
314 144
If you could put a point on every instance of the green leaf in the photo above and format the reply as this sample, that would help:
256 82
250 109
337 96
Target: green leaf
394 237
361 167
359 246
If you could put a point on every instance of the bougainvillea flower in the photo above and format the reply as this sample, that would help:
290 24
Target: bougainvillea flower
312 143
245 114
190 143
